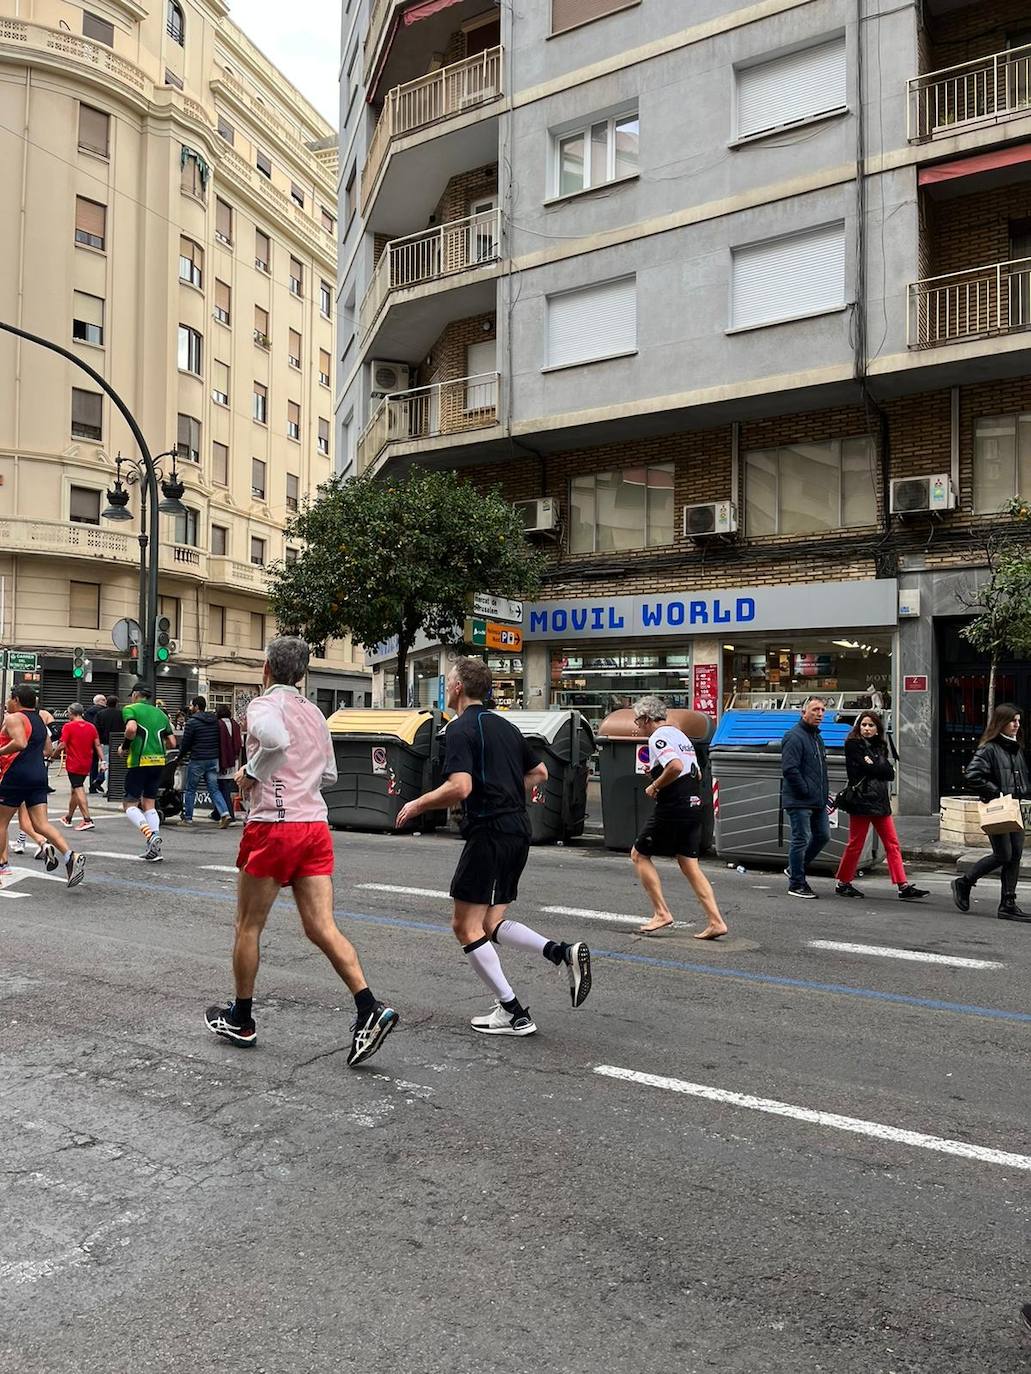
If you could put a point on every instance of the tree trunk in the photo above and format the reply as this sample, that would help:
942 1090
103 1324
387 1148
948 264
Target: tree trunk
992 676
403 645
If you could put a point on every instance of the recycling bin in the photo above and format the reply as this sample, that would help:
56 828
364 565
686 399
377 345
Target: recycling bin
623 768
752 827
564 741
384 759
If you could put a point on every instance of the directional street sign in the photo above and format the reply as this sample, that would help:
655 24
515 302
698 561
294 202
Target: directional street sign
22 663
508 638
492 607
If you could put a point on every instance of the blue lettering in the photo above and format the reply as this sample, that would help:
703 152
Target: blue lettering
650 617
598 618
719 615
559 620
538 622
675 613
745 608
615 621
699 613
579 618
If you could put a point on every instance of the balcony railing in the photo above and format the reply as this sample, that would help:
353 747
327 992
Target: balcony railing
969 305
984 89
454 407
428 256
72 539
428 100
227 572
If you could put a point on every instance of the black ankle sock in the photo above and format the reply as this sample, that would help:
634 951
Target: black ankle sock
514 1008
555 950
242 1006
364 1002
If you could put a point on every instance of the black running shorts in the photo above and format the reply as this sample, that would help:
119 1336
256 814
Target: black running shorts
668 838
490 867
143 782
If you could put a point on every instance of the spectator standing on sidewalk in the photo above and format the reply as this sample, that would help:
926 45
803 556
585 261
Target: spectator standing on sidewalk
869 773
805 794
200 744
998 769
230 749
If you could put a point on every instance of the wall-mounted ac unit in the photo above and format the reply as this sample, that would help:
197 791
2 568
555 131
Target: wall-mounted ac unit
710 517
390 377
913 495
539 516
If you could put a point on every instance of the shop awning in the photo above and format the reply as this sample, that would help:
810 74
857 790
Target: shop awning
426 10
975 166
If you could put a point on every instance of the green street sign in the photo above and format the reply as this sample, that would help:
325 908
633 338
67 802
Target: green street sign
22 663
476 632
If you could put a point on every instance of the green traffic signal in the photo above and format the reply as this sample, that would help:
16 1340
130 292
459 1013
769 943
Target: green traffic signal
162 654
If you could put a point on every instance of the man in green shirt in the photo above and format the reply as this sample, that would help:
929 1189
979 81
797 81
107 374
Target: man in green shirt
148 733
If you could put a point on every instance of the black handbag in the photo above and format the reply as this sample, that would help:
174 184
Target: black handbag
852 798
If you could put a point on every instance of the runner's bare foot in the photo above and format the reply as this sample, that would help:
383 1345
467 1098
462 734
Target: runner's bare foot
710 932
655 924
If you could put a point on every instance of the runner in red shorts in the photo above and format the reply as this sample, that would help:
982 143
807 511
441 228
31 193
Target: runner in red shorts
286 843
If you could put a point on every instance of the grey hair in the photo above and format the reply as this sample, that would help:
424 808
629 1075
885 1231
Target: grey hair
815 697
650 708
75 709
287 659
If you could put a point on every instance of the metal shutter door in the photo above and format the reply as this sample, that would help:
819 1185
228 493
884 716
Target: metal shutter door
791 88
781 279
594 322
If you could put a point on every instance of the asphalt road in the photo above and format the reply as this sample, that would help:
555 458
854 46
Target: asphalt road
749 1156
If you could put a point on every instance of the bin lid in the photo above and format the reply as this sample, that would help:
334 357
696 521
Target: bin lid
620 724
756 729
402 725
546 725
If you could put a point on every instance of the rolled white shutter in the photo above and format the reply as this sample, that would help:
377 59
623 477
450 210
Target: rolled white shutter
781 279
593 322
798 86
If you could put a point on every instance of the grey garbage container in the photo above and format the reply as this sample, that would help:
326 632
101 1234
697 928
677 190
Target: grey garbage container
384 759
751 825
564 741
622 764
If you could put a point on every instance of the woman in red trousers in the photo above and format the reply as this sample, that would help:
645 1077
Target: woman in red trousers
870 771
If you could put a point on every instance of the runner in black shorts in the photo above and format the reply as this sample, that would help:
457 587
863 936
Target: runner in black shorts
674 830
25 781
489 768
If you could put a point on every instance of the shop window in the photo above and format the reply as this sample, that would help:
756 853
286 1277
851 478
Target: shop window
630 509
596 153
809 488
599 683
853 672
1002 461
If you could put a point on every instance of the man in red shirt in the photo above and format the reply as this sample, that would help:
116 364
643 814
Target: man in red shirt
80 745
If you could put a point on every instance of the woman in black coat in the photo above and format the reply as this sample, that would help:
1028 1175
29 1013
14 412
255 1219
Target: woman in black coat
869 771
999 768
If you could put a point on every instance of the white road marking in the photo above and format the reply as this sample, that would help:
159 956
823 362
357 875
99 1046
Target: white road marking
875 1129
404 891
219 868
617 916
20 873
113 854
914 955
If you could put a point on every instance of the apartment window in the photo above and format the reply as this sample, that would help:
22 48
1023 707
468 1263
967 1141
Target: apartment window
193 170
186 527
324 366
261 335
257 629
94 131
592 323
1002 461
87 318
324 436
293 352
602 151
293 491
220 540
220 383
351 194
223 221
257 479
84 605
258 547
190 350
176 23
788 278
327 220
296 194
171 607
226 130
790 89
262 251
100 29
87 414
90 222
481 366
191 262
223 298
261 406
296 277
263 163
628 509
326 299
291 557
216 623
84 506
187 438
293 420
171 79
570 14
810 488
220 464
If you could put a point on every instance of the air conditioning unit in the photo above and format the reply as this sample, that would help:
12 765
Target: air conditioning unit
539 516
710 517
913 495
387 378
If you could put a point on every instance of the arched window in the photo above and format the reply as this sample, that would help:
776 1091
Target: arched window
176 24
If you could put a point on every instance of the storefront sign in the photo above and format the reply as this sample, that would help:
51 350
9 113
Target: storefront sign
917 683
805 606
705 693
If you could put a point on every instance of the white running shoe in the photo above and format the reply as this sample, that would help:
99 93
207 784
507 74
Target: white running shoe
76 869
18 847
502 1022
48 853
578 961
153 854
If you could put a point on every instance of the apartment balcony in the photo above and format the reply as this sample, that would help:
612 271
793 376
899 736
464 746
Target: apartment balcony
979 303
986 90
183 560
445 410
401 177
245 577
66 539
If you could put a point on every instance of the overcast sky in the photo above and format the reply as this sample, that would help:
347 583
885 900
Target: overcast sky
302 38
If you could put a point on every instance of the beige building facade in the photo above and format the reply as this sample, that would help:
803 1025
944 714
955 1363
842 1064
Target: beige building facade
169 217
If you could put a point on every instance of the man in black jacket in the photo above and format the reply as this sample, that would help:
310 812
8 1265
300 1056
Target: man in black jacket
200 744
805 794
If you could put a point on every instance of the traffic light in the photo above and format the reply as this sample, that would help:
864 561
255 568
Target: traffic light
162 639
80 664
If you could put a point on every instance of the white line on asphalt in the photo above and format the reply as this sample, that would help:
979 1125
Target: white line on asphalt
20 873
839 1123
113 854
594 915
404 891
218 868
917 956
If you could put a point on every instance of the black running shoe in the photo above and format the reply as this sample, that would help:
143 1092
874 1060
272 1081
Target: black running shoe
1025 1317
846 890
76 869
370 1033
961 893
578 961
50 856
909 892
802 890
227 1023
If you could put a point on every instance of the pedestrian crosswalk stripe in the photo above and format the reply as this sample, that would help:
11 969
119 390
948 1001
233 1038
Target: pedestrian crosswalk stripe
617 916
917 956
874 1129
403 891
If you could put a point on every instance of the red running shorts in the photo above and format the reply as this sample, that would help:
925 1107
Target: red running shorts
286 850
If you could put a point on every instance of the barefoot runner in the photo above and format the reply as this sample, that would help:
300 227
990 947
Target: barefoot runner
25 780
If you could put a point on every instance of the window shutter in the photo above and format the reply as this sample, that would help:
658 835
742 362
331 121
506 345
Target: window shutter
798 86
93 130
220 377
295 344
84 505
800 274
89 217
567 14
223 219
594 322
87 409
261 246
324 361
88 309
260 320
222 296
220 464
324 430
293 412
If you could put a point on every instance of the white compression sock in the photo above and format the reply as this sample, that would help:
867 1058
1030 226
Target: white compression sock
517 936
484 959
154 821
138 819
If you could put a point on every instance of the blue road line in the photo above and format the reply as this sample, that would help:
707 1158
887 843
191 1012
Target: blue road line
619 956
